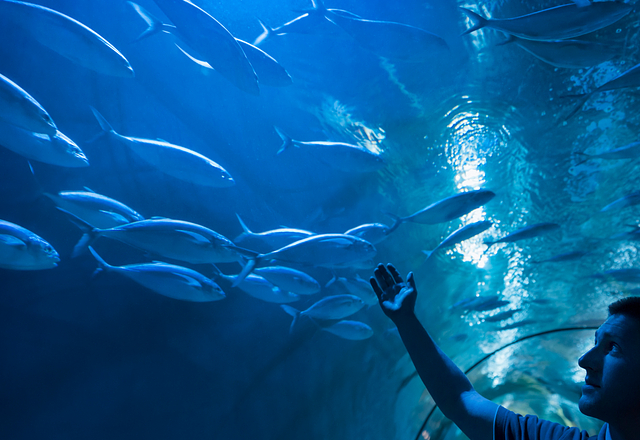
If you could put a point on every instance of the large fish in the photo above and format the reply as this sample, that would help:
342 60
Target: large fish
21 249
269 71
338 155
55 149
167 279
330 307
270 240
259 288
390 39
97 210
68 37
557 23
464 233
527 232
374 233
175 239
174 160
570 54
212 41
289 280
447 209
19 108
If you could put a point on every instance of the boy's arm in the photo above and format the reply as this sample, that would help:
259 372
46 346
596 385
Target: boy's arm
447 384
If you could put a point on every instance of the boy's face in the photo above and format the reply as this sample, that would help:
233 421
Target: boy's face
612 384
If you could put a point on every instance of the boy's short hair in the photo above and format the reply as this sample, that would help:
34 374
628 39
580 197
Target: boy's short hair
628 306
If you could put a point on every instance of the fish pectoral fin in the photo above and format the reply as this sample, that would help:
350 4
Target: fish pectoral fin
195 236
114 215
11 241
190 281
194 59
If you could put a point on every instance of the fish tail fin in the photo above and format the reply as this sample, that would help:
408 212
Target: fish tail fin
332 280
104 125
397 221
478 21
154 25
266 33
287 142
428 255
245 230
246 270
102 265
90 234
293 312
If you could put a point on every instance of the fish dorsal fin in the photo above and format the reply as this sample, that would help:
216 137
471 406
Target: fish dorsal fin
157 217
199 238
86 188
14 242
115 216
194 59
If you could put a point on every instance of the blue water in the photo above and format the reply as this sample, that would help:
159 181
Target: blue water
103 357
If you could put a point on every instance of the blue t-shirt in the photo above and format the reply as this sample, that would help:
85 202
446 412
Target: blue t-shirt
511 426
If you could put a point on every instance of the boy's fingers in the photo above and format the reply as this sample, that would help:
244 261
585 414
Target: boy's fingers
394 272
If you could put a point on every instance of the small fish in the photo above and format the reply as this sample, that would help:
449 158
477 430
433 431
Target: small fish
627 275
259 288
490 304
530 231
358 287
330 307
173 281
175 239
274 239
97 210
269 71
289 280
464 233
623 202
341 156
68 37
517 324
502 315
352 330
374 233
174 160
56 150
211 40
567 256
629 151
569 54
557 23
447 209
19 108
21 249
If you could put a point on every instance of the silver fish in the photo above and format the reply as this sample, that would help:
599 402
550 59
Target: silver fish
341 156
358 287
212 41
623 202
447 209
21 249
57 149
272 240
97 210
530 231
464 233
374 233
557 23
259 288
173 281
330 307
269 71
352 330
570 54
174 160
390 39
19 108
175 239
68 37
289 280
502 315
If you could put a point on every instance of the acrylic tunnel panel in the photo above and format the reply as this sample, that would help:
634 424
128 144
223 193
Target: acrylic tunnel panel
154 153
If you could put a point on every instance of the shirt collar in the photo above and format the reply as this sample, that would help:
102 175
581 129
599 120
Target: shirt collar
608 435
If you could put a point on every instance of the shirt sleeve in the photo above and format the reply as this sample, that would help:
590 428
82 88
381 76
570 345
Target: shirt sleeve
511 426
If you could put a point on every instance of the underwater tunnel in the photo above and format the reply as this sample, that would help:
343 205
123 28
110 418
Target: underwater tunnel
243 118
